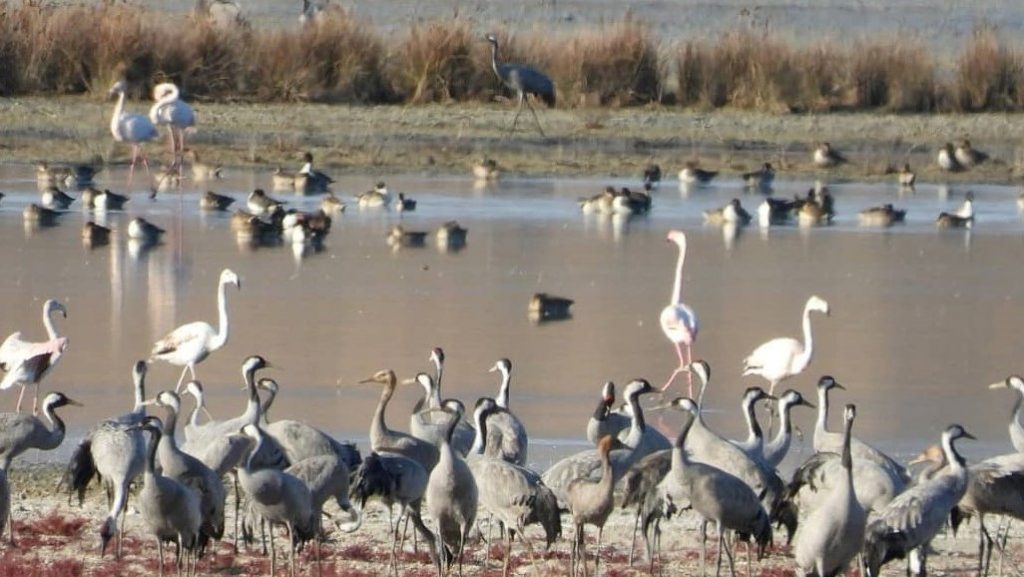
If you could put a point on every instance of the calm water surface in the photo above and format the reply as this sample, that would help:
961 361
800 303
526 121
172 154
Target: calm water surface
922 320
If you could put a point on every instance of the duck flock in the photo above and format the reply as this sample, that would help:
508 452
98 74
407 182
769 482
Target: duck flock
461 473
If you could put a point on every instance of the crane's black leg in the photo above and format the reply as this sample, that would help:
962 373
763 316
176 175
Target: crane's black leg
515 119
535 119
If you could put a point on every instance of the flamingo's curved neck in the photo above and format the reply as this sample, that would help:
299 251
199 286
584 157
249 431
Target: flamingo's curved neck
677 289
222 315
506 379
51 330
805 355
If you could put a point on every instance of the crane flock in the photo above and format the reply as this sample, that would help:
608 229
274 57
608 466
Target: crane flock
847 503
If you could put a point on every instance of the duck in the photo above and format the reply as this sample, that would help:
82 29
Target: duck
451 236
282 180
107 200
332 204
201 171
629 202
966 209
731 213
600 203
545 307
378 196
405 204
42 216
142 230
946 159
652 175
215 202
73 176
906 177
88 197
774 211
827 157
967 156
309 180
95 235
816 209
240 219
259 203
760 179
884 215
948 220
486 169
55 198
693 174
399 237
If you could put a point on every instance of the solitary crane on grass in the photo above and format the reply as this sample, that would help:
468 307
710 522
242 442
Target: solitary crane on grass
525 81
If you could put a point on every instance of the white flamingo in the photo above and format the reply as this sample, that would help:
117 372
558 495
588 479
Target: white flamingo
174 113
189 344
678 321
784 357
135 129
27 362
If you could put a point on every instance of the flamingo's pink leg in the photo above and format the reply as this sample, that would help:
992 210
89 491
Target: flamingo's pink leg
679 369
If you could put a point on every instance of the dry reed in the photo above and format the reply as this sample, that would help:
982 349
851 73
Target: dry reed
49 49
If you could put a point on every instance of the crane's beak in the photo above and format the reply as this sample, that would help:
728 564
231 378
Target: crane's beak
806 404
999 385
409 381
967 435
74 403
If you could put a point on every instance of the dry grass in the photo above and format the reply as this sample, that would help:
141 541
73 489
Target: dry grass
47 49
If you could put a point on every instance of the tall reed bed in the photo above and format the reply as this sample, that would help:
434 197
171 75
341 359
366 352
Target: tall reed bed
46 49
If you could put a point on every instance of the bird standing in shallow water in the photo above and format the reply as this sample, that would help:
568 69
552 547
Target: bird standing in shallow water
135 129
524 81
171 111
190 344
26 362
678 321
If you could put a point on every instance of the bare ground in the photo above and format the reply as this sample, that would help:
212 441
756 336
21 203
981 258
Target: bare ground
58 538
591 142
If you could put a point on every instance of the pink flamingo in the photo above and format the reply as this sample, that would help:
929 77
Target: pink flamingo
135 129
26 362
678 321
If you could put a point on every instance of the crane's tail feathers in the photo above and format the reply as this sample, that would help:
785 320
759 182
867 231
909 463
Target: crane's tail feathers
882 545
80 471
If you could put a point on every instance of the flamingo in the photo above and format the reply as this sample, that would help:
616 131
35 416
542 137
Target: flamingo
784 357
678 321
189 344
176 114
26 362
134 129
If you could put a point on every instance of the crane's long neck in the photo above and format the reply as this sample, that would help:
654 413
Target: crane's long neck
193 419
821 426
1015 413
265 407
637 425
805 355
379 428
754 434
677 288
154 442
607 483
222 313
252 406
434 395
847 459
479 441
679 457
506 380
51 331
170 423
115 120
494 58
782 438
956 462
55 434
255 449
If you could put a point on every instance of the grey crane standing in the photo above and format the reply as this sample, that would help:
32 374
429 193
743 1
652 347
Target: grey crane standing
833 534
169 509
278 498
525 81
513 494
753 445
394 478
506 437
716 495
776 449
590 503
587 464
451 496
298 441
116 453
191 472
828 441
383 438
911 520
430 423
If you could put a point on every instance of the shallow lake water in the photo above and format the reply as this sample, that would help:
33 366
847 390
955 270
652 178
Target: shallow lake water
922 319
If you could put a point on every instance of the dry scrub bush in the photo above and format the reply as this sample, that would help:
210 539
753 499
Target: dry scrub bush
441 61
988 75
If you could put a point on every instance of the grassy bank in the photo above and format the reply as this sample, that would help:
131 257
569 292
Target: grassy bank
449 138
46 50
